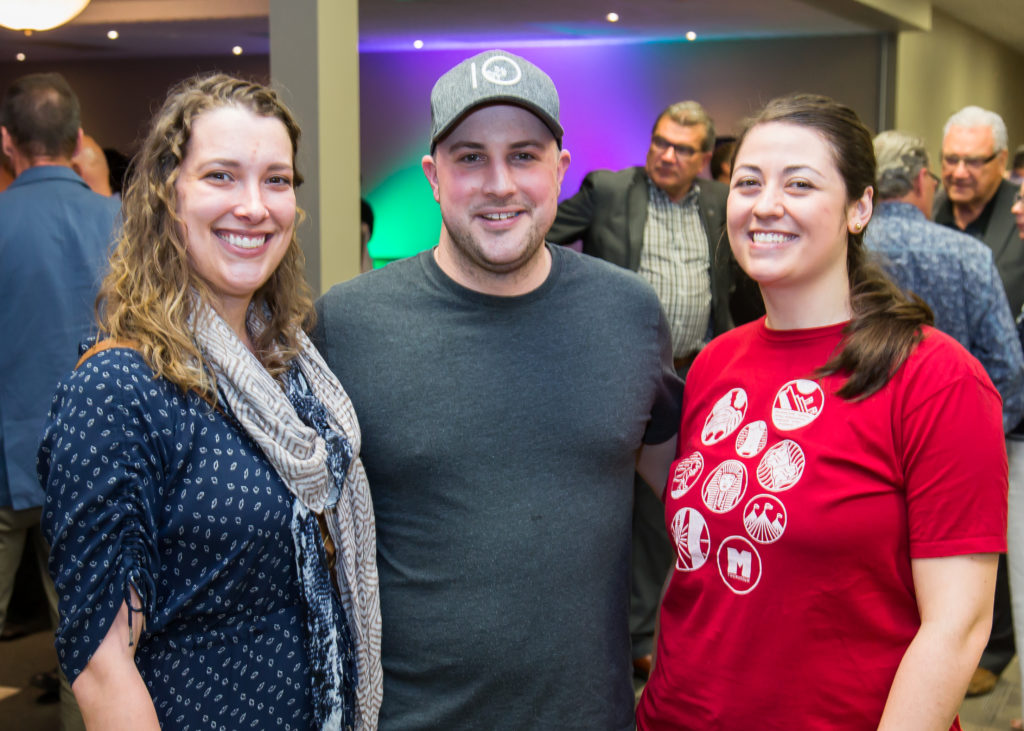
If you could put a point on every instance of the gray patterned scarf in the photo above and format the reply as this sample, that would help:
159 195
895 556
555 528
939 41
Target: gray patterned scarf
301 457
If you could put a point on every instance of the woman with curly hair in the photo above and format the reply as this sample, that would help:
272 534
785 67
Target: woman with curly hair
212 534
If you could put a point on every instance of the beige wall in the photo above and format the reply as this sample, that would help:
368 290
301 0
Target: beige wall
954 65
314 48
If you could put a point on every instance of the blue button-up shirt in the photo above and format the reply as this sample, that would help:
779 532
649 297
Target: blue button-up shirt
955 274
54 240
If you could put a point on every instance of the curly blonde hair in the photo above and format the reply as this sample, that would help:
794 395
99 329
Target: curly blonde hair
146 298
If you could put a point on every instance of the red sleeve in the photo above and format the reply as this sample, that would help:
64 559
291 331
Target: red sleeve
953 455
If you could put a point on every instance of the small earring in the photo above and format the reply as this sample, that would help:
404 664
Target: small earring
857 227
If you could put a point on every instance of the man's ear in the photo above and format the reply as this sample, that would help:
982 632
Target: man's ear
7 143
430 170
563 164
920 180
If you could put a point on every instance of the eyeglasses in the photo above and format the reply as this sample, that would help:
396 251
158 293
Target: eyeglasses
934 177
661 144
973 162
1018 197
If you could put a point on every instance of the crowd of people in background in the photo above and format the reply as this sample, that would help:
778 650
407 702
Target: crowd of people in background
755 404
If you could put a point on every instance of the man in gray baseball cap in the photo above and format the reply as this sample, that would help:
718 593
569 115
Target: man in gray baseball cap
493 77
505 388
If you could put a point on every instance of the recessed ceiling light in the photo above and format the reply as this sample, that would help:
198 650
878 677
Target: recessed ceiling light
112 34
417 44
20 57
691 36
237 50
612 17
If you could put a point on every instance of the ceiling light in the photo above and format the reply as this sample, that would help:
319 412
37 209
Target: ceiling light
417 44
691 36
40 14
20 57
112 35
237 50
612 17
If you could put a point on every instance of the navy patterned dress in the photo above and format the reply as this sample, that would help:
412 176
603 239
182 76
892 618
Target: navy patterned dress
150 488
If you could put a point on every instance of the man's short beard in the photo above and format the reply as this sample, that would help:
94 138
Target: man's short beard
467 247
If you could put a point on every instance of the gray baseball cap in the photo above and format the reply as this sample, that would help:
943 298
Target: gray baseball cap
492 77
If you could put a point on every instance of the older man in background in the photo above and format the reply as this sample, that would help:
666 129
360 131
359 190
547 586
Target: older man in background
977 201
976 198
951 271
91 165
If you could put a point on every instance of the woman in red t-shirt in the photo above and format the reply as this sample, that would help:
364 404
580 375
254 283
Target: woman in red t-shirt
840 493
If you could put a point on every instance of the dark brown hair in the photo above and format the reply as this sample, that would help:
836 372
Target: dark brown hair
886 322
41 114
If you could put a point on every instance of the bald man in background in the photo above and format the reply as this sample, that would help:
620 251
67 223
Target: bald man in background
91 164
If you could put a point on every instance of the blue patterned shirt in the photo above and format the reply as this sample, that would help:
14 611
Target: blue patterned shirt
954 273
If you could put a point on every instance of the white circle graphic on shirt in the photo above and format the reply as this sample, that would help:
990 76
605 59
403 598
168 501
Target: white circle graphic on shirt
739 564
782 466
752 438
764 517
692 538
797 404
725 416
685 474
725 486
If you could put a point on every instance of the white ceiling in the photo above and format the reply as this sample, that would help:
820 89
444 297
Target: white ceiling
212 27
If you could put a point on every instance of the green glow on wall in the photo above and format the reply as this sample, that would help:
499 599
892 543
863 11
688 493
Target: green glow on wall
406 218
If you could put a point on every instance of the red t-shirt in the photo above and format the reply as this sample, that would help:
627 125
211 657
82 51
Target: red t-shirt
795 514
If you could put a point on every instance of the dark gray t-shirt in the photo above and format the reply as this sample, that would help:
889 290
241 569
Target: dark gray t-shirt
499 436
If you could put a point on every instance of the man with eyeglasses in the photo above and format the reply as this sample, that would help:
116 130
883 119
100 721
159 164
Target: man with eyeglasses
953 272
977 200
661 222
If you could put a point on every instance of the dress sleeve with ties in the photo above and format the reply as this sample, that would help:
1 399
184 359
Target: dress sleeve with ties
102 463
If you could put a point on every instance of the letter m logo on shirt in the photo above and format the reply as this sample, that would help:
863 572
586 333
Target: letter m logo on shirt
739 563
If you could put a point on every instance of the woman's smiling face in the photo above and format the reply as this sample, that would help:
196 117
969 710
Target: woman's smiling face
788 210
236 202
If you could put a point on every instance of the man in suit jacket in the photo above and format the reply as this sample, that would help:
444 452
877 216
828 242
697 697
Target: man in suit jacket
977 200
660 221
610 214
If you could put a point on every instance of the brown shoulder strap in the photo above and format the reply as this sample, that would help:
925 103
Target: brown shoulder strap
109 343
106 344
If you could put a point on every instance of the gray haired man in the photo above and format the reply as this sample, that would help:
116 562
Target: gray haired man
504 388
956 275
977 199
